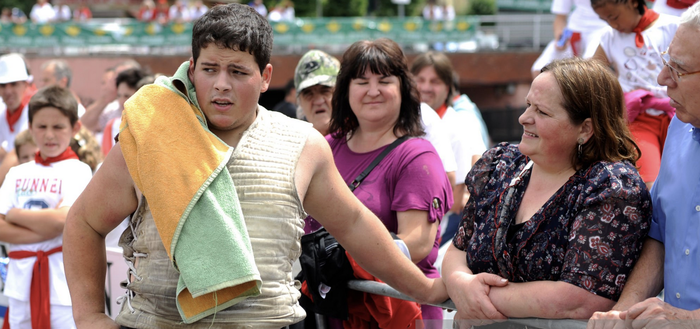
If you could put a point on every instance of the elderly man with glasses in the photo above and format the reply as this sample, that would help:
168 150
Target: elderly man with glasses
671 255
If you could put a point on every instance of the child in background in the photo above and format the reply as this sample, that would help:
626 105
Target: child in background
577 31
634 48
25 147
85 145
34 201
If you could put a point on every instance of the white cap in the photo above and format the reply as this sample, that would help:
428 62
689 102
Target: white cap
12 69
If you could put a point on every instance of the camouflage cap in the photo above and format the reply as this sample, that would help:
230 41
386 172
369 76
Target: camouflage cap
316 68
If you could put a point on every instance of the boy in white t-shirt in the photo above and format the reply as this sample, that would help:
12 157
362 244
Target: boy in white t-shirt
34 201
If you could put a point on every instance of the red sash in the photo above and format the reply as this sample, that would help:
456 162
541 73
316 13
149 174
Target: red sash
649 17
40 294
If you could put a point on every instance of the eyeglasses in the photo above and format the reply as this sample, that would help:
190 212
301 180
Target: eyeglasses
675 75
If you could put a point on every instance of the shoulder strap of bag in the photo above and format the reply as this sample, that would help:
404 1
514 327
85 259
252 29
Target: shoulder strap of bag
355 183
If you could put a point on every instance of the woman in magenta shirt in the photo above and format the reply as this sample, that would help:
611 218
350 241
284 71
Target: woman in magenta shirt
376 102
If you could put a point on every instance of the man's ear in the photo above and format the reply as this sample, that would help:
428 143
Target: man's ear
266 78
190 71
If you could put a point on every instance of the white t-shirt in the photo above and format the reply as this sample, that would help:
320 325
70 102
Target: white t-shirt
638 68
197 12
7 137
436 135
110 112
63 13
465 139
179 12
42 14
582 18
434 12
34 186
261 9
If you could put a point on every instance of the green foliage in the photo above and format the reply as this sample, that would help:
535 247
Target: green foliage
345 8
306 8
25 5
386 8
482 7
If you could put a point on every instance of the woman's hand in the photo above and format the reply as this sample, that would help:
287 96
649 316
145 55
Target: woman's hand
470 293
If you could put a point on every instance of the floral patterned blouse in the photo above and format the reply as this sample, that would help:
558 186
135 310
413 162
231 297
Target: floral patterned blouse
589 233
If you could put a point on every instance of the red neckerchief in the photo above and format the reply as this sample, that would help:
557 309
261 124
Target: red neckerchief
441 110
67 154
649 17
13 117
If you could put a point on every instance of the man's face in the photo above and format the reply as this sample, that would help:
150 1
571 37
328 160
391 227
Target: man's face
228 84
433 91
12 94
47 77
684 53
315 102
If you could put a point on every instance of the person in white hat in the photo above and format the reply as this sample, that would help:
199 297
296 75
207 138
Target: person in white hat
15 90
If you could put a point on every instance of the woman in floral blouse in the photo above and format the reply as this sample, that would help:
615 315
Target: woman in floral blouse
555 224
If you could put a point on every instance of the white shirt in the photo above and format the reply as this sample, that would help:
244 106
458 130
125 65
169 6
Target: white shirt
7 137
179 12
197 12
435 133
110 112
465 139
42 14
638 67
34 186
582 19
261 9
63 13
433 12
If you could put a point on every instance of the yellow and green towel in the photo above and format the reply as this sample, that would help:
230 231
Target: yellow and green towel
180 167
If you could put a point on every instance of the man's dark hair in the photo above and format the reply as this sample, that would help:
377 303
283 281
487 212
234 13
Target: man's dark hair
442 66
56 97
237 27
131 77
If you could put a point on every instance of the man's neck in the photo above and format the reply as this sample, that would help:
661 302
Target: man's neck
233 136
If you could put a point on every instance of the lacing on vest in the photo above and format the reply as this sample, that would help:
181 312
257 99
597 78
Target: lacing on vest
130 262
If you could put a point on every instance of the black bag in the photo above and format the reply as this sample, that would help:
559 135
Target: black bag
324 263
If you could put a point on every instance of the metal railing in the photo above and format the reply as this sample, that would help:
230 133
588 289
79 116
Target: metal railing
384 289
518 30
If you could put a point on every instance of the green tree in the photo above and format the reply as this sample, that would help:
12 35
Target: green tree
25 5
345 8
306 8
386 8
482 7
